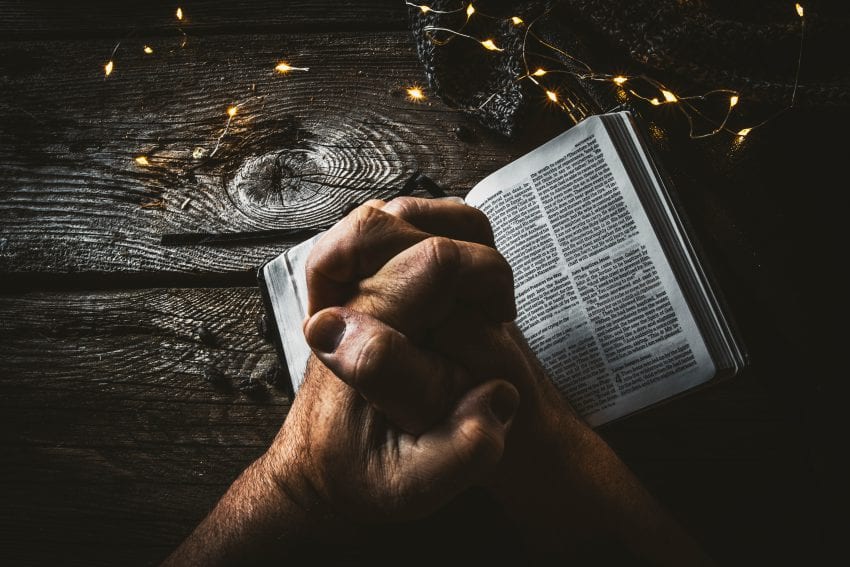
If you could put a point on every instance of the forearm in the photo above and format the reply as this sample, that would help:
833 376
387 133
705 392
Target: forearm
262 516
567 489
566 486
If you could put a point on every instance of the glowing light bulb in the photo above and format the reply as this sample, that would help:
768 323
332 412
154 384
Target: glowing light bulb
179 13
469 11
743 132
142 160
147 49
231 111
552 96
800 11
654 102
425 9
415 93
107 69
733 100
516 20
619 79
668 96
539 72
488 44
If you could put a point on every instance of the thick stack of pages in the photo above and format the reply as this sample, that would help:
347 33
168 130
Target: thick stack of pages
610 292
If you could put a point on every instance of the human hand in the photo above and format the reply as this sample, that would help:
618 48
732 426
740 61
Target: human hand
417 318
428 303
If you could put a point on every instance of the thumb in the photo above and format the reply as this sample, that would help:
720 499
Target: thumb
468 443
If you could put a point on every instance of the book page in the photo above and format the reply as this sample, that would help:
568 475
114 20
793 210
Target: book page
286 280
596 296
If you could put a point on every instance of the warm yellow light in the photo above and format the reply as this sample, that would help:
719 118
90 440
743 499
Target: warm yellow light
552 96
668 96
142 160
619 80
415 93
108 67
516 20
654 102
469 11
179 13
147 49
284 67
800 10
231 111
488 44
425 9
743 132
539 72
733 100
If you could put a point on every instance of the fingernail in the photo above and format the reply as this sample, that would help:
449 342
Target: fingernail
504 401
325 332
452 199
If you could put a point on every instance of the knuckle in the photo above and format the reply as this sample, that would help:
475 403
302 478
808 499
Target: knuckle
371 363
481 446
441 253
365 219
405 207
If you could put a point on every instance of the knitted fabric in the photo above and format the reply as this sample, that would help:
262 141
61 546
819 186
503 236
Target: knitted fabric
695 46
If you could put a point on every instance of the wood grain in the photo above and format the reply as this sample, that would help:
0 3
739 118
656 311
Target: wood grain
108 427
301 146
102 18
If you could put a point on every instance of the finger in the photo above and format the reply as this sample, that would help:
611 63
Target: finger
447 217
353 249
463 448
422 285
413 388
375 232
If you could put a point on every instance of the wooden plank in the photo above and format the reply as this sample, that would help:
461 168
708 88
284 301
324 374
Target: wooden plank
111 437
110 433
101 18
300 147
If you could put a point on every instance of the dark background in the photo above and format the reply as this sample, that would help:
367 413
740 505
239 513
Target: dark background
113 445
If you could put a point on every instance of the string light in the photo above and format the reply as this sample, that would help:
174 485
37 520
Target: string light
668 96
107 69
488 44
685 104
148 49
179 14
232 110
284 67
142 160
415 94
425 9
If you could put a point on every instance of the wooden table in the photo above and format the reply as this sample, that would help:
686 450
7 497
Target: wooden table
113 444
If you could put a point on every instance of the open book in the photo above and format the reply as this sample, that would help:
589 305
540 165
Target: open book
610 293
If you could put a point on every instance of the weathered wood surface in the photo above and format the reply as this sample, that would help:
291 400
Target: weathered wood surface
112 444
111 429
21 19
300 148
